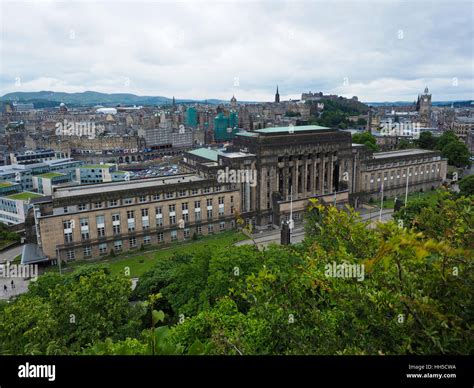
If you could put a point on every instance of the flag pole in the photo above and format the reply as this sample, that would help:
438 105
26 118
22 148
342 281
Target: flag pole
381 205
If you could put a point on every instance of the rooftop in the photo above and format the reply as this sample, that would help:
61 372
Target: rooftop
5 184
393 154
301 128
106 165
24 196
72 191
283 130
206 153
50 175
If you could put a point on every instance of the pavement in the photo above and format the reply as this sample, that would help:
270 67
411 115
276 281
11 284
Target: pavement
264 238
10 254
21 285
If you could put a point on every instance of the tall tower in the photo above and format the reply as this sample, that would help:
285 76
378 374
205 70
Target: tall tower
277 96
425 107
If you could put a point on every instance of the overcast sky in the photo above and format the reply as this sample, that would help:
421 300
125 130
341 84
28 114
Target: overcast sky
377 50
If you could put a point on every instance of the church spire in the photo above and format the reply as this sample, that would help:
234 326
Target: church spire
277 96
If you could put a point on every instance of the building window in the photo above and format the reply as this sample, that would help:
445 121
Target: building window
197 215
186 232
172 220
142 198
182 193
146 240
210 228
197 204
159 222
209 202
133 242
82 206
87 250
222 225
194 191
70 254
65 209
144 212
199 229
98 205
209 214
169 195
128 201
161 237
103 249
185 217
207 190
172 208
156 197
174 235
221 200
68 237
184 206
118 245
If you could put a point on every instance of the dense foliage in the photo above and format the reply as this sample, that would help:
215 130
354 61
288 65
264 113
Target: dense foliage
367 139
414 295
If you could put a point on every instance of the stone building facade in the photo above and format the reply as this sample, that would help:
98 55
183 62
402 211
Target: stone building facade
90 221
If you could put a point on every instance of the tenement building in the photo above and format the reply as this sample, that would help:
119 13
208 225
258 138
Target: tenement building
90 221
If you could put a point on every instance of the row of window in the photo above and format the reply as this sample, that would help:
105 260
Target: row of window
133 241
143 199
415 172
69 225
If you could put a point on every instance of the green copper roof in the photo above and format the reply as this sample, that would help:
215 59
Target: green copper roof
282 130
205 153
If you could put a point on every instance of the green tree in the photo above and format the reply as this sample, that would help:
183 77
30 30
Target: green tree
365 138
466 185
426 141
457 154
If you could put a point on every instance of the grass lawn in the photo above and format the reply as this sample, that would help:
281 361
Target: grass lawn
25 196
139 262
6 243
389 203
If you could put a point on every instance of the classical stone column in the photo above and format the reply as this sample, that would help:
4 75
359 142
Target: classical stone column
294 182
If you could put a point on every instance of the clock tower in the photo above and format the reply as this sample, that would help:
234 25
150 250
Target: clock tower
425 107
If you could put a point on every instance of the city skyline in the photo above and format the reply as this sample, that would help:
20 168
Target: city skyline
194 51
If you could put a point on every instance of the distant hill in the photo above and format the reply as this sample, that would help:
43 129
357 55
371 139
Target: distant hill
86 98
49 98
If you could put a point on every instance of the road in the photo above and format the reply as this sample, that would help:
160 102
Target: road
265 238
10 254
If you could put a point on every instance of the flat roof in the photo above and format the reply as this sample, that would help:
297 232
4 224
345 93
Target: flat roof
25 195
106 165
300 128
50 175
408 152
108 187
206 153
282 130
